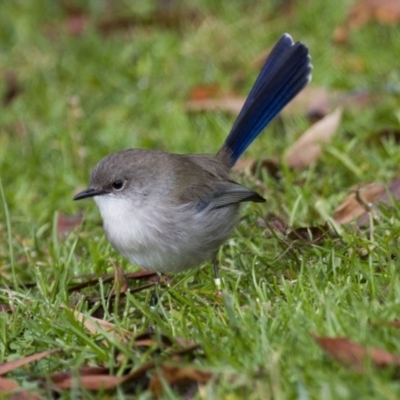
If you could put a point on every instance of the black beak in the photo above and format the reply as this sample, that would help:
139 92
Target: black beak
89 193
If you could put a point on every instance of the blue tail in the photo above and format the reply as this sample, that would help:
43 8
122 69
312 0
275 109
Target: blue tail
285 73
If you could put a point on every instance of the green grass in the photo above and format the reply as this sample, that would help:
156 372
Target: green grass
86 96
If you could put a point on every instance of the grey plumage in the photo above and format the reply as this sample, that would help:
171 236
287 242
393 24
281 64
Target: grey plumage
173 211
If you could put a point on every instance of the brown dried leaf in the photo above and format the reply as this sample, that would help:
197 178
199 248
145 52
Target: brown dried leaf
276 224
98 378
383 135
5 308
25 395
316 102
7 386
186 344
355 355
394 323
244 163
91 382
392 192
383 11
358 202
359 99
271 165
232 104
306 150
386 11
204 92
97 327
66 223
12 365
310 235
58 377
76 24
178 377
151 339
167 17
13 88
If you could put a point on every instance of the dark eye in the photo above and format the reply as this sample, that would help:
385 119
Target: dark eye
118 185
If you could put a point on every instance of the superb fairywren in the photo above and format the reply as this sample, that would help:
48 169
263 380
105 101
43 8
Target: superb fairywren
170 212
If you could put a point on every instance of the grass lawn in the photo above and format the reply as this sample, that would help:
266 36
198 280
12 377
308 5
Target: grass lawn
78 82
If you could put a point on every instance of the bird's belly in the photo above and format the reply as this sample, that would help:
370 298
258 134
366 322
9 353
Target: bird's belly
168 240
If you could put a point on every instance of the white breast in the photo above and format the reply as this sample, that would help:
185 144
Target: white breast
162 237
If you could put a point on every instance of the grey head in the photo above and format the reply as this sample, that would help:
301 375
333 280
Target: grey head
124 172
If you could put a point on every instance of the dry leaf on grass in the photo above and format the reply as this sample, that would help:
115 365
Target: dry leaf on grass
11 390
12 365
13 88
182 378
83 371
316 102
211 98
392 192
275 224
205 91
5 308
77 20
354 354
99 378
151 339
166 15
310 234
391 134
232 104
91 382
383 11
76 23
7 385
394 323
358 202
95 379
306 150
98 327
362 200
244 163
65 223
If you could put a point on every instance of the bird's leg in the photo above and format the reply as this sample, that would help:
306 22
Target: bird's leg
217 279
154 296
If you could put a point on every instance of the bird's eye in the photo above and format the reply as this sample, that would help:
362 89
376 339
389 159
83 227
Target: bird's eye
118 185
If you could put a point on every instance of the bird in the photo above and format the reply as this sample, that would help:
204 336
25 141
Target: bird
169 212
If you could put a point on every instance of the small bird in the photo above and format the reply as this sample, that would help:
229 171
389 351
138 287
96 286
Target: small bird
171 212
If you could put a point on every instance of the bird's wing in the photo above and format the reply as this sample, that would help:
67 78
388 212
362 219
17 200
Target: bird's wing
231 193
204 181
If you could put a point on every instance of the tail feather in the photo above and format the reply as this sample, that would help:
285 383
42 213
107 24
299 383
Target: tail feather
276 54
285 73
